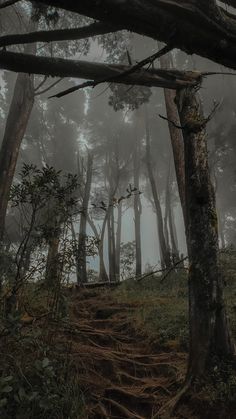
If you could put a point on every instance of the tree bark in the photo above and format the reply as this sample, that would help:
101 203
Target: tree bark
164 251
170 220
118 240
17 120
16 124
98 72
111 245
137 208
103 277
176 136
81 256
209 329
52 272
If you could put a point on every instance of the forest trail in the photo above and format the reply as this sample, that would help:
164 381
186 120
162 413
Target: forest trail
121 374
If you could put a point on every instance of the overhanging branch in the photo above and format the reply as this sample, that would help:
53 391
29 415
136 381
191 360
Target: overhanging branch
58 67
199 27
94 29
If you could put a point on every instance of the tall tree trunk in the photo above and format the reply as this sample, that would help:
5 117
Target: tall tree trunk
167 207
137 208
118 240
82 267
170 220
103 277
16 124
164 251
111 245
209 330
175 135
173 234
52 272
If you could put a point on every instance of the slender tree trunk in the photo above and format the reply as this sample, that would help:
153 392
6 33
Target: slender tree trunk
167 207
164 251
170 220
103 277
118 240
209 330
52 272
82 266
137 208
111 245
17 120
173 235
16 124
175 135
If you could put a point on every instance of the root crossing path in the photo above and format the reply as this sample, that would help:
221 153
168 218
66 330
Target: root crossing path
121 374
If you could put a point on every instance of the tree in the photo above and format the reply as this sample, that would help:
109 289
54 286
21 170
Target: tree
17 120
81 255
164 250
209 330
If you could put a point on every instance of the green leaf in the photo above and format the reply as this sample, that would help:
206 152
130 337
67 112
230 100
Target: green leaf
45 362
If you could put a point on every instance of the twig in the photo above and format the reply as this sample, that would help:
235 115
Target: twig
162 270
131 70
171 122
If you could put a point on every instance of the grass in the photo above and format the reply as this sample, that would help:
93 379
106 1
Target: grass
162 306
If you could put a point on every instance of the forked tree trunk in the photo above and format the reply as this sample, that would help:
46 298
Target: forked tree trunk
81 256
137 209
102 277
164 251
209 329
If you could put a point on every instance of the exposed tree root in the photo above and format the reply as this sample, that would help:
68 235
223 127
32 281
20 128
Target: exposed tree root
168 409
118 374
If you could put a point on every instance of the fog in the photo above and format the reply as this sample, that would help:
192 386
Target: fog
109 122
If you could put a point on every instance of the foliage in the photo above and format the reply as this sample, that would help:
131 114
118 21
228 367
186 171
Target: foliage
39 385
128 97
45 201
127 259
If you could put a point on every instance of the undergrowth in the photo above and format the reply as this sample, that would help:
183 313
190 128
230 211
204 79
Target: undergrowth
37 375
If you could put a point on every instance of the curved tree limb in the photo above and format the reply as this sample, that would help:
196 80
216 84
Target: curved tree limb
97 28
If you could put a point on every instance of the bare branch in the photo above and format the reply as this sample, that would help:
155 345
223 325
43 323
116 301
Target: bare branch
127 72
8 3
171 122
49 87
94 29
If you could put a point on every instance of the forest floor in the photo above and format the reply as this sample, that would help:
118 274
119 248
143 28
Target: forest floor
108 354
132 350
121 373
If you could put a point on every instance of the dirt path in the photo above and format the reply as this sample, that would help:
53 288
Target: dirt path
120 374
